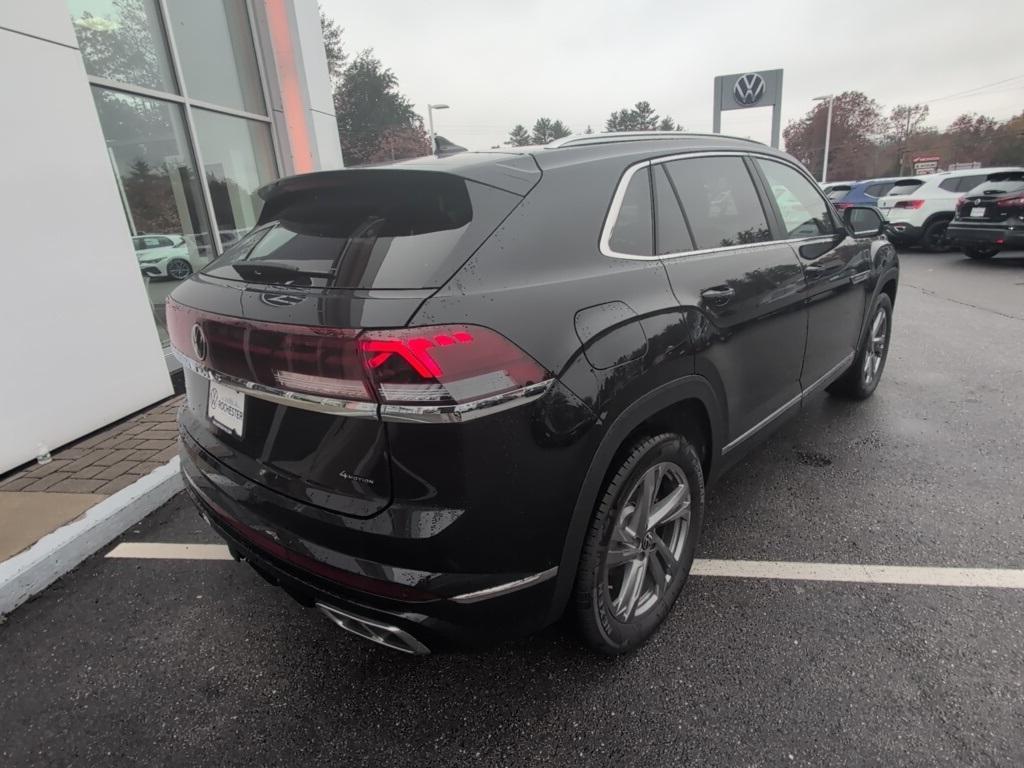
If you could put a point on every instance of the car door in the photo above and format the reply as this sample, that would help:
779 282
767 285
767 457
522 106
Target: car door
743 290
836 269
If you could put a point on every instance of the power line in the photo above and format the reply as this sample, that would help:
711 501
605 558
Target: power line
973 90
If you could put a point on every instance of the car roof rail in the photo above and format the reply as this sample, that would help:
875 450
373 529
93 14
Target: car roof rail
583 139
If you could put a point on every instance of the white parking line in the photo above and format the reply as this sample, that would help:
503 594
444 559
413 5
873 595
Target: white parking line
994 578
999 578
149 551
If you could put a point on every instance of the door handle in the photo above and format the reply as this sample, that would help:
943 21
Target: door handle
718 296
816 269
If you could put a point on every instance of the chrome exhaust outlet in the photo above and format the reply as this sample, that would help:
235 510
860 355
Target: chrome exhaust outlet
383 634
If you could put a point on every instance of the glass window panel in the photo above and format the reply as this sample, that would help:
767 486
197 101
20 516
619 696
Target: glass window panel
719 201
159 187
216 53
633 231
239 159
804 212
123 40
673 236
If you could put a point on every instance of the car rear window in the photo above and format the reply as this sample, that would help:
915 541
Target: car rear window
878 189
997 188
836 194
905 187
367 229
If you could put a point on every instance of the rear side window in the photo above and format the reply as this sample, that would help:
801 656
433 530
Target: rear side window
633 229
367 229
719 201
671 232
905 187
879 189
970 182
804 212
950 185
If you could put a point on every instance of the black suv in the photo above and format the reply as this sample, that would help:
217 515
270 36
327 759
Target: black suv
990 217
445 400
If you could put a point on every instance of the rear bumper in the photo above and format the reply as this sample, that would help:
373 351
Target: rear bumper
440 611
903 232
966 233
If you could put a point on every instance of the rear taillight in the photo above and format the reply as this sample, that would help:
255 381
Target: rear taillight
841 206
912 204
961 200
444 364
1011 202
426 366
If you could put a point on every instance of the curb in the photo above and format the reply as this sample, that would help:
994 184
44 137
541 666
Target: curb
33 570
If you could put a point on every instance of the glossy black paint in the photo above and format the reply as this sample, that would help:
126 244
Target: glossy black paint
723 342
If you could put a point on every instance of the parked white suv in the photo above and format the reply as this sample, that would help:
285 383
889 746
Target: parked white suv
919 208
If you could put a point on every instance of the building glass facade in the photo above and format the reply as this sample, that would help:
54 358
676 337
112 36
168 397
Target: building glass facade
181 94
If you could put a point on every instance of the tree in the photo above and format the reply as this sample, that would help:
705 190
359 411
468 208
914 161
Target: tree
644 116
1008 144
519 136
856 125
546 130
905 120
972 136
589 130
336 56
374 118
641 117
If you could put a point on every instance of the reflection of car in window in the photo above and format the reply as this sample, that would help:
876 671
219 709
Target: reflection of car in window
170 256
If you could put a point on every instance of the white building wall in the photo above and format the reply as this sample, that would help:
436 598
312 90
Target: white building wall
78 342
300 89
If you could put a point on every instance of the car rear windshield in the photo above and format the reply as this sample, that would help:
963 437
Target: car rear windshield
367 229
997 188
905 187
837 193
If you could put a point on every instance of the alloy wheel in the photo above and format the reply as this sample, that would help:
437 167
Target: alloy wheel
647 541
877 339
179 269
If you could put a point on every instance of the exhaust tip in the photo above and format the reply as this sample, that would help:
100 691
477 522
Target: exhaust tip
383 634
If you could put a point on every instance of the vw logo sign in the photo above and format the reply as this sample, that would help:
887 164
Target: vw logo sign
199 342
748 89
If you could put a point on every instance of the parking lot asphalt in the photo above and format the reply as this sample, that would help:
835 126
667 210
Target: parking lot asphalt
190 662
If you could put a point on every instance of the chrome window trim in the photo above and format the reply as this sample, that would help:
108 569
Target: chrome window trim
417 414
792 402
504 589
627 176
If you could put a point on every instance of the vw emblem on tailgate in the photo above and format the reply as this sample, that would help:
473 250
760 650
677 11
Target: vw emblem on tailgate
199 342
748 89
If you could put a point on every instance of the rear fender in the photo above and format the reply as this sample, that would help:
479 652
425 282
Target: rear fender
686 388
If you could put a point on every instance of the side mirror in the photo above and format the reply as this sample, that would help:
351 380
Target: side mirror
863 221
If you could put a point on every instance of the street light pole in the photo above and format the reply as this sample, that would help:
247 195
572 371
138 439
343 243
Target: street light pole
828 134
430 125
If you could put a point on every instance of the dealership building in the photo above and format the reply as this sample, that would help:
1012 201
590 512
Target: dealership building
135 134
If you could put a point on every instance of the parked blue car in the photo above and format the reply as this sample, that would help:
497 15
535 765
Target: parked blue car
865 192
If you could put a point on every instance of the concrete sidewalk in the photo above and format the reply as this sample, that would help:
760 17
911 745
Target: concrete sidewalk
52 515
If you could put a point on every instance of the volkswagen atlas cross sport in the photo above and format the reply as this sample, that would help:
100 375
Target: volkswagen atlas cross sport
452 399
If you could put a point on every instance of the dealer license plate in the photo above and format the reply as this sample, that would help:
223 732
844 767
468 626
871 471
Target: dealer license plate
226 408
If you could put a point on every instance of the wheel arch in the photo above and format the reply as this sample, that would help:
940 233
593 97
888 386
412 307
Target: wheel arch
688 405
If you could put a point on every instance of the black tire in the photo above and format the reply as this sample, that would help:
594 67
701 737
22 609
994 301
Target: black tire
179 269
934 237
602 625
855 383
980 252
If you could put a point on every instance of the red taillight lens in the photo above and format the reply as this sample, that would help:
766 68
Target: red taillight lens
1011 202
913 204
841 206
445 364
433 365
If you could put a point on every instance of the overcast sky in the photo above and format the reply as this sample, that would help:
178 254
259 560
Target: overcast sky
508 62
